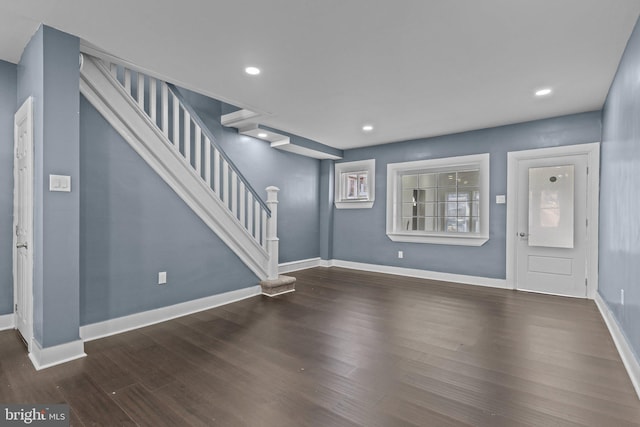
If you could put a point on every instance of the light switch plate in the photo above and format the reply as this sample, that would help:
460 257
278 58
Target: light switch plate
162 278
60 183
501 199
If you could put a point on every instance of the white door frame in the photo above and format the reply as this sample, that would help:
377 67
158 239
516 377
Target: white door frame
24 113
592 150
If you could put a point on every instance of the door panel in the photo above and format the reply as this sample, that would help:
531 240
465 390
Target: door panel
550 265
551 206
552 225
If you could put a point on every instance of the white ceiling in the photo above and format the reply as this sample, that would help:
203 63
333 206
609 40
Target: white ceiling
412 68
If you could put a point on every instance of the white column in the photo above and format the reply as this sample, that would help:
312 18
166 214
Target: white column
272 232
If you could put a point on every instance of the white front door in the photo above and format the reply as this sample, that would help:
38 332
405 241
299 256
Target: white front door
553 199
23 221
552 229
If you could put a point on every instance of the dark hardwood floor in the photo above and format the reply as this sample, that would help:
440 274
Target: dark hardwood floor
348 349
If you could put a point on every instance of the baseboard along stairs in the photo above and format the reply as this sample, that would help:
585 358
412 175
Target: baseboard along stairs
163 128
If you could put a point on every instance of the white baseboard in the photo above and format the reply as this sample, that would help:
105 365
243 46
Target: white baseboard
279 293
422 274
43 358
626 353
325 263
146 318
288 267
7 321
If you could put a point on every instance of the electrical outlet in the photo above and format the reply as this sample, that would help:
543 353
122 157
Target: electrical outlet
400 254
162 278
621 296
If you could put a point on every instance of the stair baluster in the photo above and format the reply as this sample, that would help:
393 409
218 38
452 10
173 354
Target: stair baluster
185 132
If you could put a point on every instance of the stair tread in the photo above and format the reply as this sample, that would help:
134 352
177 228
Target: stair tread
280 281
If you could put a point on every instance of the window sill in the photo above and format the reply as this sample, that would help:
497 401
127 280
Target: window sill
439 239
355 204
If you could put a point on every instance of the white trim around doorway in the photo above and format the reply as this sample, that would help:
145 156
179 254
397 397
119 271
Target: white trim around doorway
592 150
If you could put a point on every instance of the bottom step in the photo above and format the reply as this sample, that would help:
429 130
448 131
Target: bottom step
279 286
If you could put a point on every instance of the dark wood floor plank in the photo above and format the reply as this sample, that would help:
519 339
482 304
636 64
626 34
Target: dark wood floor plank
74 421
145 408
479 379
417 415
348 349
106 373
91 405
196 407
135 363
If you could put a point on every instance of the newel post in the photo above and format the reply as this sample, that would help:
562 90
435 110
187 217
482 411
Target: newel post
272 232
275 284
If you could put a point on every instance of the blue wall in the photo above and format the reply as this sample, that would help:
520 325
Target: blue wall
359 234
7 109
619 195
133 226
296 176
48 71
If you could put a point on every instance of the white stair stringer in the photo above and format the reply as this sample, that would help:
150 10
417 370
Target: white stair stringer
106 94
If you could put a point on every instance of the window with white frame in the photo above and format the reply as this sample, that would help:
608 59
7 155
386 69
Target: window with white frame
442 201
355 184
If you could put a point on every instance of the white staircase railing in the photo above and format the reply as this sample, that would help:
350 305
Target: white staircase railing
190 139
180 124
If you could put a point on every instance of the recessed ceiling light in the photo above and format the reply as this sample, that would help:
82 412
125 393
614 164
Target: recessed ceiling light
262 135
543 92
367 128
254 71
